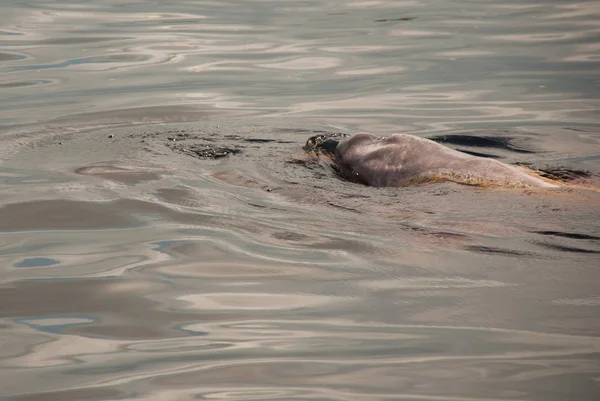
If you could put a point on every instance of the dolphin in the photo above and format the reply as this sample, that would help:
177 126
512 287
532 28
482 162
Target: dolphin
401 160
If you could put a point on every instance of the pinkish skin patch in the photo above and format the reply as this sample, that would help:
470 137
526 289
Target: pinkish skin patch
401 159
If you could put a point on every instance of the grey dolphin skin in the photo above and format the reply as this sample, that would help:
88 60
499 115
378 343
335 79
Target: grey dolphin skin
401 160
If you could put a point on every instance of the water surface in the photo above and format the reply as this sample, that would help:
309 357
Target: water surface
131 269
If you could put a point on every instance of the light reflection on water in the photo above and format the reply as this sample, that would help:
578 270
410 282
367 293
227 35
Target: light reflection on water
133 272
277 58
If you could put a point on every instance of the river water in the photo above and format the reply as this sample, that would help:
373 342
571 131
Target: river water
130 270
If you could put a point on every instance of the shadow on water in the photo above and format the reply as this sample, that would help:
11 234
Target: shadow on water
489 142
568 235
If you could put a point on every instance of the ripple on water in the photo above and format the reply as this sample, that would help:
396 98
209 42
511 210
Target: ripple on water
36 262
20 84
304 63
130 271
254 301
11 57
88 62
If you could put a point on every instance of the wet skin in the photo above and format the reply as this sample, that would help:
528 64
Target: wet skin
401 160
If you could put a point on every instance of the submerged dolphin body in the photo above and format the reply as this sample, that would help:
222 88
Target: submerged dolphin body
401 160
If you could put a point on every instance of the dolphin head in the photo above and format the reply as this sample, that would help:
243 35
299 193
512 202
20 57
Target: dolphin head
324 144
